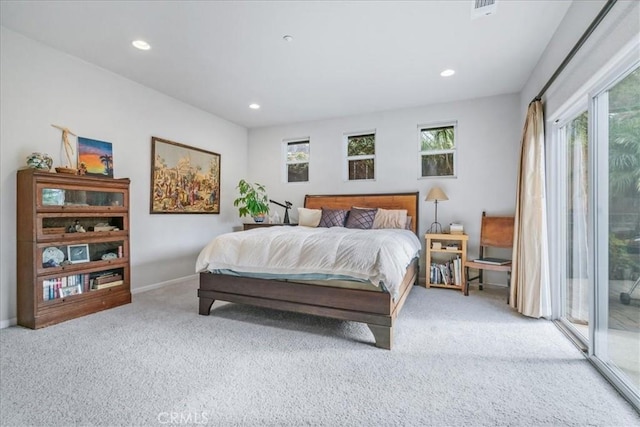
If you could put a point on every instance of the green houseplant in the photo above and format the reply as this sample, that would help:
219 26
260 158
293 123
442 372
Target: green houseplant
253 200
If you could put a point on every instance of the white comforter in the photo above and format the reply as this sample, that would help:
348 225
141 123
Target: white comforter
373 255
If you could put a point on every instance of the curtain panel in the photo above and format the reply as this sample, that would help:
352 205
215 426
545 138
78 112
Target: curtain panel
530 287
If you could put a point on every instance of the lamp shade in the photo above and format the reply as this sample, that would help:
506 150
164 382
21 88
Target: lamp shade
436 194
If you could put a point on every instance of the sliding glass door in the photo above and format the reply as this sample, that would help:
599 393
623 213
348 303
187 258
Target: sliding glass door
616 112
597 224
575 205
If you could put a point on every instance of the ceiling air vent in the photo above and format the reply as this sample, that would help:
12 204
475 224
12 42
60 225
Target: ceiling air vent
480 8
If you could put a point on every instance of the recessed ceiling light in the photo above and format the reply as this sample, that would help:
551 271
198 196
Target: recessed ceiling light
254 106
447 73
141 44
287 38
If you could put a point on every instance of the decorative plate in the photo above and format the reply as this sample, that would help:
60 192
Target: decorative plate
52 256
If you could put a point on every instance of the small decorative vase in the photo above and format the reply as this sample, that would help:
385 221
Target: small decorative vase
258 218
40 161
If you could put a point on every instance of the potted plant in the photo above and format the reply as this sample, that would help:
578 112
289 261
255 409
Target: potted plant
253 200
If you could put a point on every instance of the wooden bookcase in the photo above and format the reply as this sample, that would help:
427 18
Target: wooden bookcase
63 273
445 255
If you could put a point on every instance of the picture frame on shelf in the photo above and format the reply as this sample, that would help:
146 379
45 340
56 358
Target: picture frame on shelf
95 158
78 253
184 179
70 290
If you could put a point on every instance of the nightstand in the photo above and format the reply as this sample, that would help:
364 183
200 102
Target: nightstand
446 255
250 225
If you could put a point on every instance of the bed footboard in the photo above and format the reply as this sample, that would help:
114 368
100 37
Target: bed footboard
376 309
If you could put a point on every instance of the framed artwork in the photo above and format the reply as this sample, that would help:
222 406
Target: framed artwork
184 180
78 253
70 290
95 158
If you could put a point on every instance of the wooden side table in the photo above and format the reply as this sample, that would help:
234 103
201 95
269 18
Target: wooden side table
250 225
446 255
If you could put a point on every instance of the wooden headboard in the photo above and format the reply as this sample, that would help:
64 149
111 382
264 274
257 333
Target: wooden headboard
408 201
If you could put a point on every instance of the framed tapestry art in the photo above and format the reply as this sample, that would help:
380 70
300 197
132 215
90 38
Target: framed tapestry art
184 179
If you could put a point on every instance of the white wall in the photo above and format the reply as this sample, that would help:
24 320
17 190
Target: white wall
488 155
41 86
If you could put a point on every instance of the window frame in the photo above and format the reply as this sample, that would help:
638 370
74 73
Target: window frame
348 158
453 151
285 151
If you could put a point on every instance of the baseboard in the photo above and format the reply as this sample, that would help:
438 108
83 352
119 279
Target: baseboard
163 284
8 322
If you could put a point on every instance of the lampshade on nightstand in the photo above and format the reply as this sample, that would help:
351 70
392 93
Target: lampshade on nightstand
436 195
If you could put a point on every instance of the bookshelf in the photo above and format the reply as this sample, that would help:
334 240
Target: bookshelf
446 255
72 246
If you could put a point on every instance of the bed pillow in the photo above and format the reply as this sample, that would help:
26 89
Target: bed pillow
333 217
361 218
390 218
309 217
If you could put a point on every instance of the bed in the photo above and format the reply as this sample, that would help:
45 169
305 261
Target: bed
378 309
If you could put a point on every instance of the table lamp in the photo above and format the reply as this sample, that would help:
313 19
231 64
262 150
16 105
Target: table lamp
436 195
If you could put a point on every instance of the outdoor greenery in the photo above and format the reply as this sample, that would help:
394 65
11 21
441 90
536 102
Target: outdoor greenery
361 145
298 161
253 200
441 142
624 175
624 136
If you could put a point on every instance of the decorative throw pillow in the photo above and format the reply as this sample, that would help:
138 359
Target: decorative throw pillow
390 218
333 217
361 218
409 223
309 217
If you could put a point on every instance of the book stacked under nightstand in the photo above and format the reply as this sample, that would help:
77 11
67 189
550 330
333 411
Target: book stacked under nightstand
446 255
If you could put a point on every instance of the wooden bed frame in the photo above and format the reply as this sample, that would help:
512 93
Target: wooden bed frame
377 309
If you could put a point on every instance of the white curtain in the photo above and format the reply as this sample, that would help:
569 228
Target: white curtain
578 280
530 289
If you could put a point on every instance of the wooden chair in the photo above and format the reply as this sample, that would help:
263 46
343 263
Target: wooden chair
496 232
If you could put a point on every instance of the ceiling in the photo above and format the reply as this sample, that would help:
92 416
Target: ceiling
346 57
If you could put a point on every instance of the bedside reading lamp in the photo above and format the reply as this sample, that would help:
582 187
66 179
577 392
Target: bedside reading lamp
436 195
286 207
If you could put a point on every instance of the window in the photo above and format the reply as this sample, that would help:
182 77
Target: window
361 156
297 161
437 150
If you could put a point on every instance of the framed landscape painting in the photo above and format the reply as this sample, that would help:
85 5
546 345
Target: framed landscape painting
95 158
184 179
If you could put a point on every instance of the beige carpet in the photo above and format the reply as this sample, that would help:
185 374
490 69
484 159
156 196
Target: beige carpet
458 361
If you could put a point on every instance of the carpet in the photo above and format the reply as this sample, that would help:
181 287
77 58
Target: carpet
456 361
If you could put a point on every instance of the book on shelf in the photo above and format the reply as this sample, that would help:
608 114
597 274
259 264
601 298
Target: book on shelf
107 278
493 261
107 285
60 287
448 273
